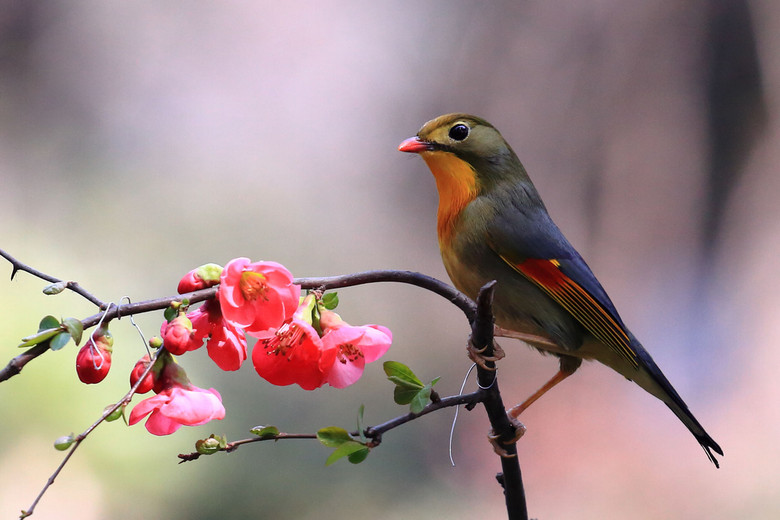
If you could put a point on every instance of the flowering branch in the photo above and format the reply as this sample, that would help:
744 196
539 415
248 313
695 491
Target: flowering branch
310 347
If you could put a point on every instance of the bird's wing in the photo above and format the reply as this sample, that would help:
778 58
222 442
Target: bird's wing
534 247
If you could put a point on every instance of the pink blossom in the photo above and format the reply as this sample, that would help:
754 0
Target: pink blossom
178 402
257 296
226 344
293 353
354 347
176 406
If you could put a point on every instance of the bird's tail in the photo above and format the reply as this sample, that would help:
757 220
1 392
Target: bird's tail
650 377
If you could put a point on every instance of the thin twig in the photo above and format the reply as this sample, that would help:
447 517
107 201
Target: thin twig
73 286
372 432
83 435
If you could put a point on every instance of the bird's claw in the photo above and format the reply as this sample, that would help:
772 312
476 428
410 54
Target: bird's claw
476 355
498 444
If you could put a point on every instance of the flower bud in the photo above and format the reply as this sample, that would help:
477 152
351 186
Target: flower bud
64 442
176 334
148 382
92 363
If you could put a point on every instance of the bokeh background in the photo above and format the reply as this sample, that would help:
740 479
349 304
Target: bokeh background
141 139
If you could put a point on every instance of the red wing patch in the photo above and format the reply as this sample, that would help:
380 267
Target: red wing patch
546 274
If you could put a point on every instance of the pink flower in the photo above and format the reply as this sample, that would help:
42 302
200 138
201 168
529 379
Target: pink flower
225 343
353 346
257 296
177 335
176 406
293 353
177 403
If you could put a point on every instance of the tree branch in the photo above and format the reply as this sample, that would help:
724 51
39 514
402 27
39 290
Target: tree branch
372 432
511 477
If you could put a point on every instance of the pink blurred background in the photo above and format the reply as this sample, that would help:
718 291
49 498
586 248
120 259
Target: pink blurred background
139 140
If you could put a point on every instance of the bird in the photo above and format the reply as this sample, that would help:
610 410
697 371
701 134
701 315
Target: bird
492 225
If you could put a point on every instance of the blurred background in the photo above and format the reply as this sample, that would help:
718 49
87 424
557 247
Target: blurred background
141 139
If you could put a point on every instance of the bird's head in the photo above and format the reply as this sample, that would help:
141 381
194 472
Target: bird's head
467 148
468 158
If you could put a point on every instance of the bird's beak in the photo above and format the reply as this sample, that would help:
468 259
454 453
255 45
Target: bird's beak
415 145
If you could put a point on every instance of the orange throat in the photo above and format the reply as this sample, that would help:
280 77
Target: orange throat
457 185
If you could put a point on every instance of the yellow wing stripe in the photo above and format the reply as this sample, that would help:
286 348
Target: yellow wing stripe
577 301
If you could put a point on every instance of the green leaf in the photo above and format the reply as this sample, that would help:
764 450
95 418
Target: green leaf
35 339
401 374
360 423
403 395
265 432
333 436
420 400
345 449
435 380
170 313
75 328
59 341
358 456
330 300
55 288
49 322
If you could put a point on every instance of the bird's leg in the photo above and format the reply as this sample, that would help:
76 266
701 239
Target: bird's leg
569 364
475 354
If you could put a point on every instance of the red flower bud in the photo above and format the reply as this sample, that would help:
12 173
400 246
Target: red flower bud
148 382
177 334
93 362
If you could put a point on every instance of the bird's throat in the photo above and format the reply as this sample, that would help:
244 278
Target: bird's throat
457 185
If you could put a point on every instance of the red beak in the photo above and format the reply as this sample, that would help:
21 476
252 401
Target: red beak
414 145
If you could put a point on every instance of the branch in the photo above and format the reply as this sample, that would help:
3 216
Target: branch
372 432
112 311
73 286
504 431
82 436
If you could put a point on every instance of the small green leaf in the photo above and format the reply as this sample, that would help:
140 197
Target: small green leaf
330 300
49 322
360 423
345 449
400 374
358 456
420 400
75 328
265 432
59 341
170 313
333 436
55 288
35 339
403 395
435 380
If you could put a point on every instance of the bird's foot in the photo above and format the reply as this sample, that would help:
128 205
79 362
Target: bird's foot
498 444
476 355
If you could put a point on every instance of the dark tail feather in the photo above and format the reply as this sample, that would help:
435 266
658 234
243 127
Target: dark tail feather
659 386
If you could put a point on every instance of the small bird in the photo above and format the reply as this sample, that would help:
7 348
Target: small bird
492 225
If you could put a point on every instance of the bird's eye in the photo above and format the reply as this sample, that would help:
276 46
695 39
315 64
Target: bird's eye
459 132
